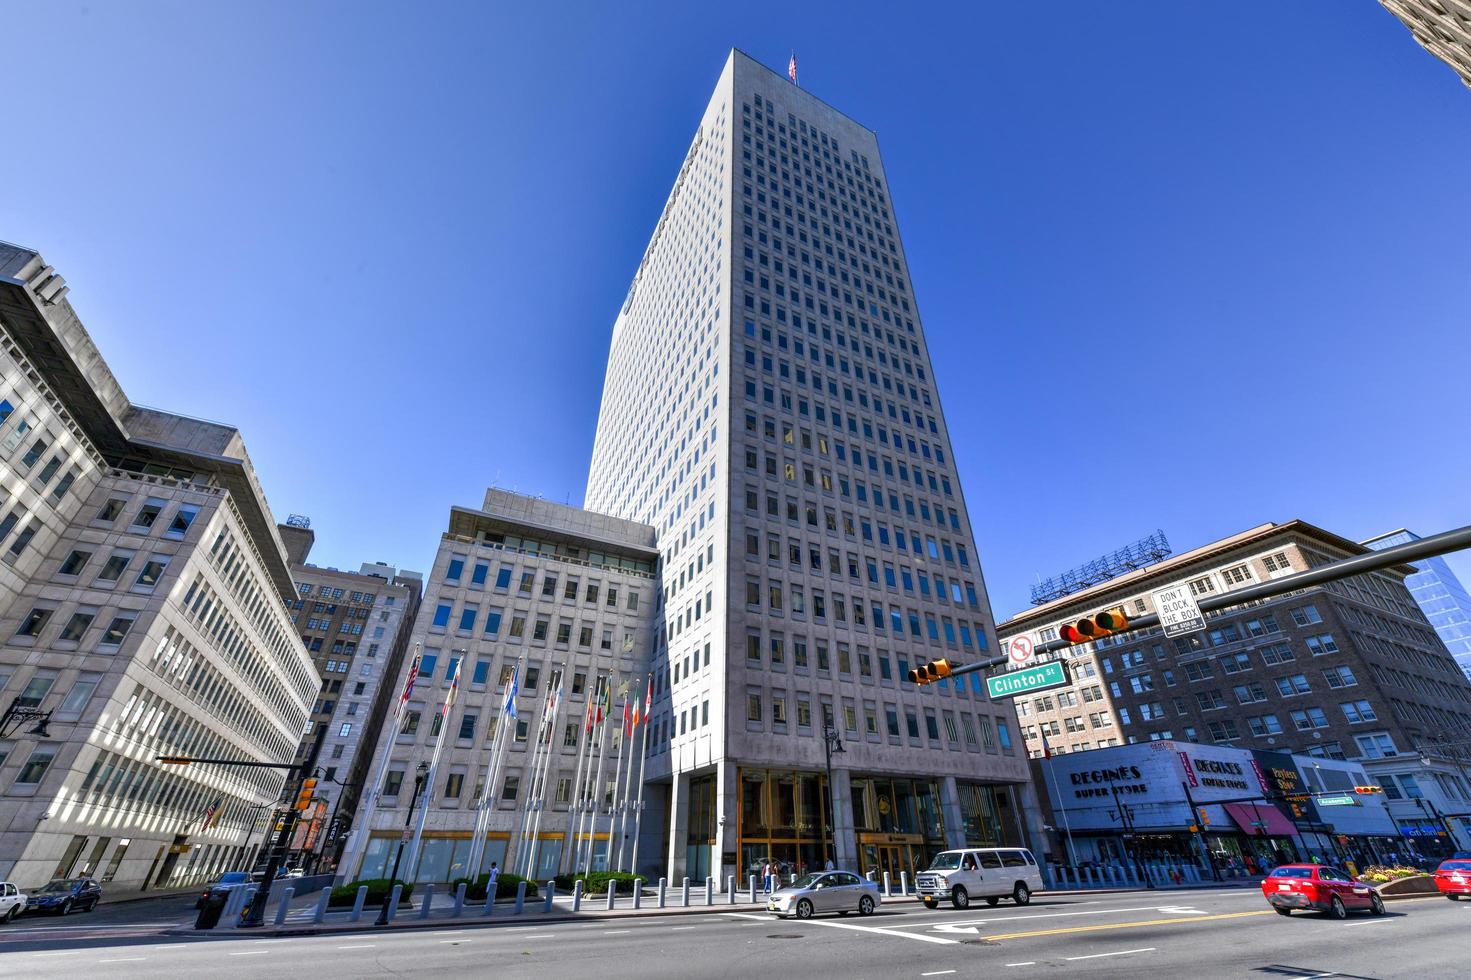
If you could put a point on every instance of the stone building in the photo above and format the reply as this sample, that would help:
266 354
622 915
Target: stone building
141 579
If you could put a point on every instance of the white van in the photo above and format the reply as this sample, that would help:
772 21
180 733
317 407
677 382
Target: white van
992 873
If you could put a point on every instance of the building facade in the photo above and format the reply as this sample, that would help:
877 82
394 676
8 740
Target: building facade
356 627
140 615
1440 595
1349 670
770 409
561 599
1443 27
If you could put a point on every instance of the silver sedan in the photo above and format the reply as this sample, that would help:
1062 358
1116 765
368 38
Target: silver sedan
826 891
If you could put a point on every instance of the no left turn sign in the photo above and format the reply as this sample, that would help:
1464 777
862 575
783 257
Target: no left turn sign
1020 649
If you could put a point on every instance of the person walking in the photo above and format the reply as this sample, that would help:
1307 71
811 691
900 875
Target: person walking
490 881
829 865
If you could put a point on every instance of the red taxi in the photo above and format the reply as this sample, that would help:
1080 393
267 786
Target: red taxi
1319 888
1453 878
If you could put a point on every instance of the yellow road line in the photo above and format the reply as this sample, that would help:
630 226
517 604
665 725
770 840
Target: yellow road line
1182 920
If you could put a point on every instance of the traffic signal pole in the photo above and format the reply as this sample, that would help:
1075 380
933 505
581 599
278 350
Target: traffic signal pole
1437 544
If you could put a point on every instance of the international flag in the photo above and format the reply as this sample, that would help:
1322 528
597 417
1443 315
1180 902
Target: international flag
454 685
792 67
408 689
588 717
1046 749
648 700
210 812
508 709
627 719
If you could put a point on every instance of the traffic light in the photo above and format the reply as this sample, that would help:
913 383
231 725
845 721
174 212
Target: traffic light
1365 790
304 795
1094 627
932 671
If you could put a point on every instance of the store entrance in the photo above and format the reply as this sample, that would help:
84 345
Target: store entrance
882 853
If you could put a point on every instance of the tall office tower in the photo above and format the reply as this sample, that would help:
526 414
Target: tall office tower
141 580
1443 27
770 409
356 627
1440 595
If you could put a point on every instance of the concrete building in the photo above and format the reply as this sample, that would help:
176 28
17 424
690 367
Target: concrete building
566 596
140 615
1440 595
1350 670
1443 27
770 409
356 627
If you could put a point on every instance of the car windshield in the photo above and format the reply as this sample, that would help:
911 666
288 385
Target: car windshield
1456 866
946 861
233 877
806 881
58 887
1292 872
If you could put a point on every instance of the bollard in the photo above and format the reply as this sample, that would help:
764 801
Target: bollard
244 904
577 895
393 901
638 893
888 890
489 898
460 899
685 896
612 893
730 889
753 889
322 900
709 890
232 904
1088 877
546 905
428 900
520 897
662 883
904 883
358 902
286 897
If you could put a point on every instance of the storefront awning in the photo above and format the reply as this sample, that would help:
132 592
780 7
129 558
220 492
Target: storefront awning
1256 819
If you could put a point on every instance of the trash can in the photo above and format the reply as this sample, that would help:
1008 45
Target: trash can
211 910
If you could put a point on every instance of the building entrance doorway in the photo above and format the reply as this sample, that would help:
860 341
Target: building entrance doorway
883 853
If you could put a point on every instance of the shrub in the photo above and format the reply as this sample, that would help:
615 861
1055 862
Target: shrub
505 886
596 883
1379 874
378 891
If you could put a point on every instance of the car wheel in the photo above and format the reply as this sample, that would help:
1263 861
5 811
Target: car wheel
1337 909
66 907
804 909
865 906
960 898
1284 911
992 900
1021 894
931 903
11 914
1376 905
1454 898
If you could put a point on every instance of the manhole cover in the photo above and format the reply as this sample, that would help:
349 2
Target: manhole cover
784 935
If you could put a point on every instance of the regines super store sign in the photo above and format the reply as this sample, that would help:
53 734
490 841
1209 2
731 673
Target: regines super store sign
1150 777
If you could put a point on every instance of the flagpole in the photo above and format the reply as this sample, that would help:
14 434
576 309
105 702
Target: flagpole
444 710
619 790
574 812
370 802
533 764
1062 808
506 735
546 774
623 809
487 785
595 800
584 792
638 808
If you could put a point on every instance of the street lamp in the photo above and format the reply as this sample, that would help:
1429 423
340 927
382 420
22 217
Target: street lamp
832 744
419 775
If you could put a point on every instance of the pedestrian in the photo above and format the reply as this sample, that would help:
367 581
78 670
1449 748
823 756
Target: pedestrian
766 876
829 865
490 881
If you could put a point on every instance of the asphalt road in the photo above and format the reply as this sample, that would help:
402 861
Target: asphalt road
1196 934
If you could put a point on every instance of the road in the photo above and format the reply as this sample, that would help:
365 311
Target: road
1197 934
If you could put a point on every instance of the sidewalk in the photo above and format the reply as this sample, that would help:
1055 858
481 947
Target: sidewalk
301 913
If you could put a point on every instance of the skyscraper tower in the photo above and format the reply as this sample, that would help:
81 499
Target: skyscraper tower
770 408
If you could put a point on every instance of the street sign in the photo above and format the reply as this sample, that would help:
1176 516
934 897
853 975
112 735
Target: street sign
1009 684
1336 801
1178 612
1020 649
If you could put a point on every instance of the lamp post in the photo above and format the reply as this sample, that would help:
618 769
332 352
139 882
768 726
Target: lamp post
419 775
832 744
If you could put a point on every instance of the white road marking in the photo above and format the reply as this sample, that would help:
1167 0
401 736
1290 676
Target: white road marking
359 946
546 936
1121 952
173 946
1025 963
1314 976
124 959
616 932
936 973
252 952
1180 910
677 928
745 915
883 932
64 952
454 942
967 924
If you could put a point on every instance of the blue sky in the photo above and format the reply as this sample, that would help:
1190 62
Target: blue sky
1182 266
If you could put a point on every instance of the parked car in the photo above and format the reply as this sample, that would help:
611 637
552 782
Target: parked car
992 873
826 891
12 902
294 873
1318 888
1453 878
60 896
224 884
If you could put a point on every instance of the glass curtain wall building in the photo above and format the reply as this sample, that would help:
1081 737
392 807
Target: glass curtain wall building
770 408
1440 595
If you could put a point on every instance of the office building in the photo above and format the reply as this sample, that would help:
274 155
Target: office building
770 409
1440 595
1443 27
141 579
1349 670
559 597
356 627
